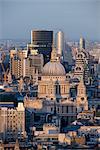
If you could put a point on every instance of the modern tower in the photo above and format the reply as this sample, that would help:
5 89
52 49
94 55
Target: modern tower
60 42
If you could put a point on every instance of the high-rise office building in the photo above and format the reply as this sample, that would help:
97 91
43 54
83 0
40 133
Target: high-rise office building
42 40
60 42
16 62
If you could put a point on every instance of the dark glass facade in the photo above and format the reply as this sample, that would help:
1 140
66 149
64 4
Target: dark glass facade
42 40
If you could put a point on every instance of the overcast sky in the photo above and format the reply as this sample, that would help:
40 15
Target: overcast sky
75 17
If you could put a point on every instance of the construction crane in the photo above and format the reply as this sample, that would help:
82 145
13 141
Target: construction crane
5 72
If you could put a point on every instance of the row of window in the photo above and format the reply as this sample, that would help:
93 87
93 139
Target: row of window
64 109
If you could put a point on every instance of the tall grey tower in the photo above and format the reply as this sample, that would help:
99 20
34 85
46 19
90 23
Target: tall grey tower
60 42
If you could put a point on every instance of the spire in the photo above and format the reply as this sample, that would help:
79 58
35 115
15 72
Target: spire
53 54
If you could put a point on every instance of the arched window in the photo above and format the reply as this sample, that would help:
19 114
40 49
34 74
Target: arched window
82 98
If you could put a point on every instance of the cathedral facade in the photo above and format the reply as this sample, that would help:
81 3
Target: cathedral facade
53 84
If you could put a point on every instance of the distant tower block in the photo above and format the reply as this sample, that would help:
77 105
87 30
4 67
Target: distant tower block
82 43
60 42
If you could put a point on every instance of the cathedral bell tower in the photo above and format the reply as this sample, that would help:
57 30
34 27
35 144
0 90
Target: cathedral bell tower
81 99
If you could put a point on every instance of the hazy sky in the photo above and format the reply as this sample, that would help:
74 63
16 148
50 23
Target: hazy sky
74 17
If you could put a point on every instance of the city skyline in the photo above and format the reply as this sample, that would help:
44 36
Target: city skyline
49 92
75 18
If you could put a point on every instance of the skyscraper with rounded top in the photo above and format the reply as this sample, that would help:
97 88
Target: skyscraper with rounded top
60 42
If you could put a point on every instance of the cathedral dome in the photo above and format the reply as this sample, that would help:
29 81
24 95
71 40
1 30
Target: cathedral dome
54 69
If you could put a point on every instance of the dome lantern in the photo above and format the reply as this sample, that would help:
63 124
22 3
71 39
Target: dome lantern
53 55
53 67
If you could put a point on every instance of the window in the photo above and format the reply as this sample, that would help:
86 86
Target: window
51 109
82 98
58 109
80 56
78 68
62 109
